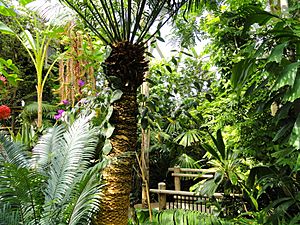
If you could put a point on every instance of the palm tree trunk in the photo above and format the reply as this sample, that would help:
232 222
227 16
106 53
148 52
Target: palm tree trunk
118 174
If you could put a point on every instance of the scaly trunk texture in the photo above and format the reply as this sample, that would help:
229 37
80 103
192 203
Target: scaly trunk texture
126 63
117 176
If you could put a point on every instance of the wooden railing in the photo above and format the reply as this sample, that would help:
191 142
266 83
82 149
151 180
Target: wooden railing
186 199
187 172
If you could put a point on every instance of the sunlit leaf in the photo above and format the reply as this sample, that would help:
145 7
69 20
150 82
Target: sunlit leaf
117 94
7 11
5 29
287 76
27 40
293 93
107 147
295 135
277 52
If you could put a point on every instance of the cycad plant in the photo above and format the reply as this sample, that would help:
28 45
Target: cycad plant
56 183
123 25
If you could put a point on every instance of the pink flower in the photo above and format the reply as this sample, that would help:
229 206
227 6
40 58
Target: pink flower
59 114
81 83
65 102
4 112
3 79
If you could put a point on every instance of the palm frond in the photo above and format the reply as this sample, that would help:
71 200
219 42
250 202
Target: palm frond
44 152
8 215
19 187
185 161
75 151
32 108
11 152
52 11
116 21
85 198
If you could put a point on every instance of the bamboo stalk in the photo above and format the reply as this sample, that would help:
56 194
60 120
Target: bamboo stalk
147 187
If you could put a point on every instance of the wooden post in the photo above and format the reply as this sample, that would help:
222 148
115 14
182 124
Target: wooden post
162 198
177 178
145 145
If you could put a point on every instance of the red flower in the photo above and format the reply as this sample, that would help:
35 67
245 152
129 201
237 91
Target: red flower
4 112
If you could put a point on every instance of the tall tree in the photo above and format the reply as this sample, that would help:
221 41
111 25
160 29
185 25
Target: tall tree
124 25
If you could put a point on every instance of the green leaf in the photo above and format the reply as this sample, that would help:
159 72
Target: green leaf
283 130
25 2
233 177
297 166
209 187
293 93
211 150
169 68
256 15
287 77
27 40
254 202
295 135
220 144
240 73
117 94
277 52
7 11
5 29
160 39
107 147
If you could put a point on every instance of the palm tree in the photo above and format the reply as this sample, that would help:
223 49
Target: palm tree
124 25
56 183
